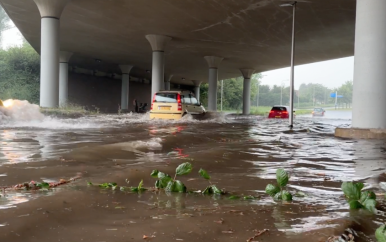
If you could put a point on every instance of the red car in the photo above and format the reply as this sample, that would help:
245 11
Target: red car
279 112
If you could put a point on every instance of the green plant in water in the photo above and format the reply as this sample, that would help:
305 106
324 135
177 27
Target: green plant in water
114 186
277 192
357 198
380 234
211 189
134 189
170 184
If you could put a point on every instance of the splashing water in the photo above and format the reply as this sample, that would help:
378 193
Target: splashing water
17 110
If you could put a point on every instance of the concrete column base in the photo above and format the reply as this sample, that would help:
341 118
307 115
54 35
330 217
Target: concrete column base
355 133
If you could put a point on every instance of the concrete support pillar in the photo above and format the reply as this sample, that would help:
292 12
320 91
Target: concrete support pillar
125 86
369 67
50 12
197 89
158 43
167 82
247 74
213 63
64 57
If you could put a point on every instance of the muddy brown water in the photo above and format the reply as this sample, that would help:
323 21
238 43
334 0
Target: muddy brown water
241 155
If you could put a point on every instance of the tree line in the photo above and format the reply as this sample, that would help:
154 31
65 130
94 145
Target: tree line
307 96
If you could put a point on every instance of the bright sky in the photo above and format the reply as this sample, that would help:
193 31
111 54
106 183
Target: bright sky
12 37
331 73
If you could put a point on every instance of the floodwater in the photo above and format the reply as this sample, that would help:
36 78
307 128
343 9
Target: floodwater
241 155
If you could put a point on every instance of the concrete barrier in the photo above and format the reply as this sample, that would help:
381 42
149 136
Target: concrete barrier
354 133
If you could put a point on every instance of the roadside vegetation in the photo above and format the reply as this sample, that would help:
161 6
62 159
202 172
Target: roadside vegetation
70 110
306 98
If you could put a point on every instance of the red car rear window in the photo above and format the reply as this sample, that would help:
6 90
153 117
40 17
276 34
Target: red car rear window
279 109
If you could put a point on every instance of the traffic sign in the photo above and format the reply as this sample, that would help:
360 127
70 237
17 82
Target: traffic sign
334 95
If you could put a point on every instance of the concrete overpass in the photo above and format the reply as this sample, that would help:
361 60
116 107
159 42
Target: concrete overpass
180 40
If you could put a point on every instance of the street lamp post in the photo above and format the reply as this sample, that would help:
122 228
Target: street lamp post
291 114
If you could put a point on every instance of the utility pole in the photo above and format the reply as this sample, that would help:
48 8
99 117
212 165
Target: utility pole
298 98
336 98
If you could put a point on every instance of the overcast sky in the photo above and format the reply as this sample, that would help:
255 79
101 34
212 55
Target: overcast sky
331 73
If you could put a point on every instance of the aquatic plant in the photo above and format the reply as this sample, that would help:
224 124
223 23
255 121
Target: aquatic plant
380 234
277 192
166 182
114 186
357 198
211 189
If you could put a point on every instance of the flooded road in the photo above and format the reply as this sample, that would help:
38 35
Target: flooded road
241 155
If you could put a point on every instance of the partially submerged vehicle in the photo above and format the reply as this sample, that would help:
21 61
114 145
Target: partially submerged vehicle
174 105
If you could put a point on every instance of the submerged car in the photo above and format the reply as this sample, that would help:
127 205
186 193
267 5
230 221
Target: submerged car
318 112
174 105
279 111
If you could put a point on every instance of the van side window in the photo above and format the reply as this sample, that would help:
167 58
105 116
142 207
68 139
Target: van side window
194 100
186 99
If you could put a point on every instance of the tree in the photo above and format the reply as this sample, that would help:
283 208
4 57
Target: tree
19 73
346 90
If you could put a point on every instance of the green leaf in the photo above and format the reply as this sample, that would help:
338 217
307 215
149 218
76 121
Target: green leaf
107 185
272 190
352 191
216 190
277 196
370 204
134 189
286 196
164 179
355 204
234 197
158 184
140 185
250 197
367 195
204 174
380 234
212 189
180 186
43 185
184 168
154 173
282 177
175 186
89 184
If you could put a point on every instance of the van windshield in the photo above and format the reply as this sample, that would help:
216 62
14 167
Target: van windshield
165 98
